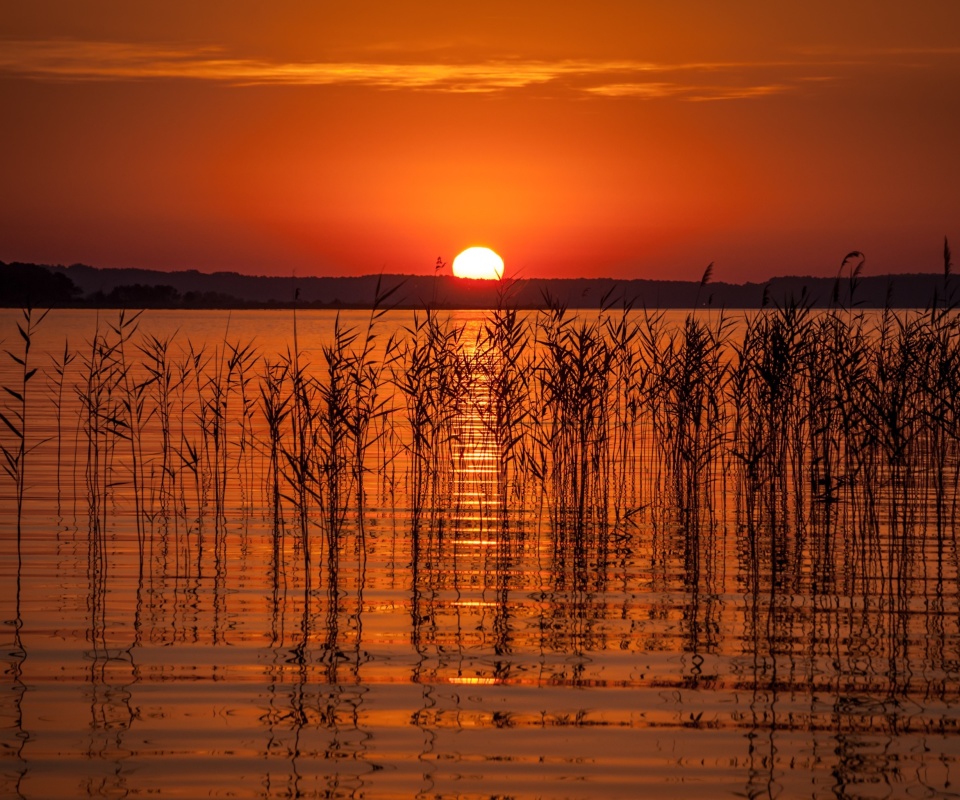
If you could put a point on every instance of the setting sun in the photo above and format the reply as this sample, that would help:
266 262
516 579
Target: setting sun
479 263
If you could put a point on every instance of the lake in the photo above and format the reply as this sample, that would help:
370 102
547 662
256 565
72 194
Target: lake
480 554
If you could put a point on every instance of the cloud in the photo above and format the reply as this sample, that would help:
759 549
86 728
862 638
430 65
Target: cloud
71 60
105 61
649 90
653 91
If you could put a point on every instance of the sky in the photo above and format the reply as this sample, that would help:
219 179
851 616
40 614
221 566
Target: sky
611 138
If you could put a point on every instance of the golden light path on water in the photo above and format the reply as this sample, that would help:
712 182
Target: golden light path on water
552 604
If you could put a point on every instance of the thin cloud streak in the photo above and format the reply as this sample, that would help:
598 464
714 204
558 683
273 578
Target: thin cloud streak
104 61
69 60
653 91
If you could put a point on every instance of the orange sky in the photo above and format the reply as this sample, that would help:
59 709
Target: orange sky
626 139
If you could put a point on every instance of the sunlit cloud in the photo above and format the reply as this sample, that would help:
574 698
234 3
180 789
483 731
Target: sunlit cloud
648 90
104 61
693 93
70 60
706 94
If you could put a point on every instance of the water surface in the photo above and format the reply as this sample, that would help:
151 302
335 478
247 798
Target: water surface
603 621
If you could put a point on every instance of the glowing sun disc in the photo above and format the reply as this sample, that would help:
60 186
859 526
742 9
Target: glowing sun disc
479 263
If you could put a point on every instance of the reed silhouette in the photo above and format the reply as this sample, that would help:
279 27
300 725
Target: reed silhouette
528 477
601 422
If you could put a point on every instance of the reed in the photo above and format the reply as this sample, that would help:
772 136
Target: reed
131 417
630 378
242 373
368 409
334 460
652 339
299 450
503 369
430 375
275 407
16 419
695 423
825 427
101 425
768 396
60 369
192 450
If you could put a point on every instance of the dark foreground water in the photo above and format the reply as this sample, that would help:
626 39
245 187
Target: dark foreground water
448 649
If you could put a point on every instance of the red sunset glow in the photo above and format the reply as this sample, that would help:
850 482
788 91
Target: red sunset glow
611 139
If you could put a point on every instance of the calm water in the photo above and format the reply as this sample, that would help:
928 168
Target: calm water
476 637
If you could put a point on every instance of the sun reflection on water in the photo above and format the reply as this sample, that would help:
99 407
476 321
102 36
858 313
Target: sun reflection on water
767 640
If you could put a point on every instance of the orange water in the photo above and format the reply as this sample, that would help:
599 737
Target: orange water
203 658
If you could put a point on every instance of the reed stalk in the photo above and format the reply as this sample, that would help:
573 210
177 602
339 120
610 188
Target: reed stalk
824 426
15 420
60 369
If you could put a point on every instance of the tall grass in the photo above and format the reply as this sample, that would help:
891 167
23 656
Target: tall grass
572 435
60 368
815 430
430 375
502 368
16 420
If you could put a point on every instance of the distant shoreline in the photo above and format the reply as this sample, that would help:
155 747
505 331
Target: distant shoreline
82 286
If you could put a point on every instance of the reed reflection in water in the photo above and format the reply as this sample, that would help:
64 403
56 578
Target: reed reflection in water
480 554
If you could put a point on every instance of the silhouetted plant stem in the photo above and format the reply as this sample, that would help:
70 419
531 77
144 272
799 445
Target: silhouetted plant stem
15 420
60 370
128 424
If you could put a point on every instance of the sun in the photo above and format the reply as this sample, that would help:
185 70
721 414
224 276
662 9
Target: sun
479 263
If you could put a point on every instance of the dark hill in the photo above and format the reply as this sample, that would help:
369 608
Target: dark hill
81 285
